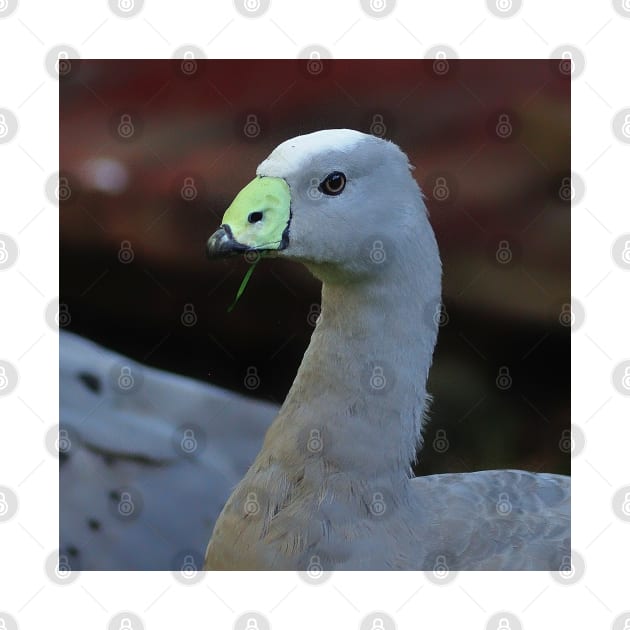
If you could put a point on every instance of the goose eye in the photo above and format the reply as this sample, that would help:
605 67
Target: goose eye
333 184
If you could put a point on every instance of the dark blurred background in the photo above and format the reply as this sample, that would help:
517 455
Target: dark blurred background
152 153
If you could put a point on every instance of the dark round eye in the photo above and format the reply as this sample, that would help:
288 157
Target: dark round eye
333 183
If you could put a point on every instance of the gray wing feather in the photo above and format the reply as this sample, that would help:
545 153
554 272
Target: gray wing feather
496 519
130 440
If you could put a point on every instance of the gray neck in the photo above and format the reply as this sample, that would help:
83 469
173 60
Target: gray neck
360 393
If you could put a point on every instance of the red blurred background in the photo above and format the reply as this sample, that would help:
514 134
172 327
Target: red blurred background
152 152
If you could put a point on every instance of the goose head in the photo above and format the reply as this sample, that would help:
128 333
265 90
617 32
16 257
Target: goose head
339 201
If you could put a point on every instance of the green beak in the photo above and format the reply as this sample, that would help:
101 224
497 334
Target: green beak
257 220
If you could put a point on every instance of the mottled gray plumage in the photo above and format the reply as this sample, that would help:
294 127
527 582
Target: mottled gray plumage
114 439
331 486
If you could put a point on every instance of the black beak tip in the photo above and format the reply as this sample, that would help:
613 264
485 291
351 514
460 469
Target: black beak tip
222 244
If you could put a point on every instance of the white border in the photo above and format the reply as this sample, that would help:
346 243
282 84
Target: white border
286 28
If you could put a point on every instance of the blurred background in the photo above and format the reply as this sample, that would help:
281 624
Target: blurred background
152 153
